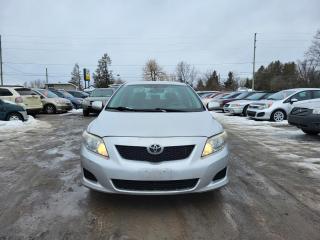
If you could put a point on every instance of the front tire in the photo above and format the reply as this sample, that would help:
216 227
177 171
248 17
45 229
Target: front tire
244 112
14 117
50 109
278 116
310 132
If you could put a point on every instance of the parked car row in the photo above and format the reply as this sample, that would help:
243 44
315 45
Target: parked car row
300 106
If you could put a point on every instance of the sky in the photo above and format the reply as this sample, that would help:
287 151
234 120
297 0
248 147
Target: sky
209 34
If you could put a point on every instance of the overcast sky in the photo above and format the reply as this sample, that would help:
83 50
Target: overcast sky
209 34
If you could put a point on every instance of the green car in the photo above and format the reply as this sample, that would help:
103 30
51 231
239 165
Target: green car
9 111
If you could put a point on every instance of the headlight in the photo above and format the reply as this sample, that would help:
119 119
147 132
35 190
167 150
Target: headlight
60 101
316 111
235 105
265 106
214 144
95 144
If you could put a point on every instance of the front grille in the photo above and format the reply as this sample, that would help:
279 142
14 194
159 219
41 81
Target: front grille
251 113
254 106
173 185
301 111
168 154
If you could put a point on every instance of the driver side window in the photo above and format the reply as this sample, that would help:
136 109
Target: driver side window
301 96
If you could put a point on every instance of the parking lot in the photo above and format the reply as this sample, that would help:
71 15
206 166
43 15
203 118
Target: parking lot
273 191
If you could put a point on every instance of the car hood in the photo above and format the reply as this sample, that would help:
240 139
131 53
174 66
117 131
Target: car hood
263 102
159 124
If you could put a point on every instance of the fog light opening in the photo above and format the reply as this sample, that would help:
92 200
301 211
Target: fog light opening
220 175
88 175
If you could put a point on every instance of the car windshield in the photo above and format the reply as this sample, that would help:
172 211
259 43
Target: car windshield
281 95
102 93
231 95
66 94
243 95
155 98
47 93
255 96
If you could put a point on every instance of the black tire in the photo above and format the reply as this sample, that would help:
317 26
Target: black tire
50 109
310 132
14 116
278 116
244 111
85 112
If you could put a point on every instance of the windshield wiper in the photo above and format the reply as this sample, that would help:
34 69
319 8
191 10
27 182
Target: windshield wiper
123 109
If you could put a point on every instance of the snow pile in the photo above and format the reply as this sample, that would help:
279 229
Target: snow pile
73 112
16 125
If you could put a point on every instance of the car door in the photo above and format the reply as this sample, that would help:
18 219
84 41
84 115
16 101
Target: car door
301 97
2 111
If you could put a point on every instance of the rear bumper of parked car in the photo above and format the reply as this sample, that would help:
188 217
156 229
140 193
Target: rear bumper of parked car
118 175
310 122
264 114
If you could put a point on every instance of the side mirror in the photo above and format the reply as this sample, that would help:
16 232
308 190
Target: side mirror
97 105
293 100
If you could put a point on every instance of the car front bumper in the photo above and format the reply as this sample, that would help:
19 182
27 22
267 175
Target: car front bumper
310 122
264 114
64 108
233 110
24 115
204 170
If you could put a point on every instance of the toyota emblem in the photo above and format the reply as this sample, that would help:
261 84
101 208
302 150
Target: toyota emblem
155 149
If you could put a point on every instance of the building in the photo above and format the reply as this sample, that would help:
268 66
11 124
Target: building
65 86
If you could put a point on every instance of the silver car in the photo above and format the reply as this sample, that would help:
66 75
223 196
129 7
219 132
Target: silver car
154 138
101 95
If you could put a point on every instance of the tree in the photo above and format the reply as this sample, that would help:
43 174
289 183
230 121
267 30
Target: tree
231 83
103 76
153 72
212 81
76 77
186 73
313 53
200 86
35 84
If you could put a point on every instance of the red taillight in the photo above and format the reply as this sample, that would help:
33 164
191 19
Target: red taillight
19 100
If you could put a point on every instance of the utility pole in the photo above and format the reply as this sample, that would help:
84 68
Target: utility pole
254 59
47 78
1 70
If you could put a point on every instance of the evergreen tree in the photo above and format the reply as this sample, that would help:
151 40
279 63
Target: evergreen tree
231 83
200 86
248 83
76 77
213 81
103 76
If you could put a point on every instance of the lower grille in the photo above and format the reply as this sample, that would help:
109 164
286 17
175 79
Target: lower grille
227 105
141 154
251 113
174 185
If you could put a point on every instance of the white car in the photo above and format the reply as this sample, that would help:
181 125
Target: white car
277 106
240 107
154 138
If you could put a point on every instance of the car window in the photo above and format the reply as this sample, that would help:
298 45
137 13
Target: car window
256 96
243 95
5 92
24 91
47 93
154 97
301 96
281 95
101 93
316 94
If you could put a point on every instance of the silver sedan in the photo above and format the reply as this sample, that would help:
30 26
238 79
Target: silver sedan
154 138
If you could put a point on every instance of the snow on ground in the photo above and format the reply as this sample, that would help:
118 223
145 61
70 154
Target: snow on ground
72 112
8 128
289 142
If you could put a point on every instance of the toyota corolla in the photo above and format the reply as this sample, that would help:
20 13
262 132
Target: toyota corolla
154 138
